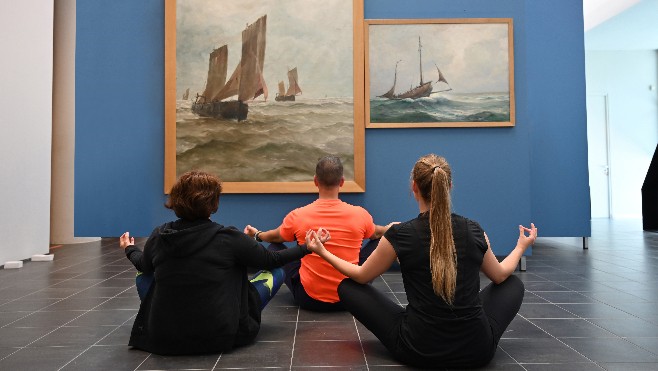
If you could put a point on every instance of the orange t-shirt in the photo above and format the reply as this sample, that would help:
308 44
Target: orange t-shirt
348 225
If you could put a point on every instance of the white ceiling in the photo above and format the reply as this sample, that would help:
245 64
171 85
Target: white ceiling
596 12
621 24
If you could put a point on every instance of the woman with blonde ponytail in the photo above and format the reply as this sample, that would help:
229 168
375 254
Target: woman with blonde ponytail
449 322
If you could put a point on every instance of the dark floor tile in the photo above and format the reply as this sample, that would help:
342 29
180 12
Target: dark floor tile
119 303
112 317
544 350
279 313
22 336
580 366
630 366
314 331
196 362
27 305
307 315
6 351
610 350
521 328
571 327
641 310
529 297
74 336
376 353
107 358
616 297
106 292
544 286
646 343
7 318
47 318
42 359
117 335
259 354
78 283
324 353
277 331
53 293
561 297
628 327
540 310
333 368
76 303
594 310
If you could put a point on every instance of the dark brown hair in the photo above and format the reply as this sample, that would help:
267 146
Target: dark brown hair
329 171
195 195
433 178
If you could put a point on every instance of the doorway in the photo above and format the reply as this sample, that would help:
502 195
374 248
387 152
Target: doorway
598 155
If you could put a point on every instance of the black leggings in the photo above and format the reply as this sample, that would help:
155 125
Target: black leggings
382 316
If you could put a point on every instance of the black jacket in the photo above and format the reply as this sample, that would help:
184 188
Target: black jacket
201 300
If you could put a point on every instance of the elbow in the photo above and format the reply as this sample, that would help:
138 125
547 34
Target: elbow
500 277
361 280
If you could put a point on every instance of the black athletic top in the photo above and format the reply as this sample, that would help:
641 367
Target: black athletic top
432 331
201 300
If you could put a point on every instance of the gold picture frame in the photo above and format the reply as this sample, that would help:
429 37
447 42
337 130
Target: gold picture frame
355 182
460 73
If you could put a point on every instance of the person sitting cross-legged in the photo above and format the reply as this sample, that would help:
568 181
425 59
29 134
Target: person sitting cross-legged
195 294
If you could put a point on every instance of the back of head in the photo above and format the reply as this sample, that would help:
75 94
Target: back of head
195 195
329 171
433 179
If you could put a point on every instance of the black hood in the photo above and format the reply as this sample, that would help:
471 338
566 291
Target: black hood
183 238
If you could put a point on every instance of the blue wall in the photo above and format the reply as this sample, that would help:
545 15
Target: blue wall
535 171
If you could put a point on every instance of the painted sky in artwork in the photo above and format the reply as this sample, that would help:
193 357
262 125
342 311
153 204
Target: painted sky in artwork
472 57
313 35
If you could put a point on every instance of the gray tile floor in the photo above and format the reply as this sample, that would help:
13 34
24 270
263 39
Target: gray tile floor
583 310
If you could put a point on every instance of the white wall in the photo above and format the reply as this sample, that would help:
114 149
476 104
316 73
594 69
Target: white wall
626 77
26 77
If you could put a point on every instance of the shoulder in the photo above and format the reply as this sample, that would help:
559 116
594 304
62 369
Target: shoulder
400 229
470 223
474 229
356 209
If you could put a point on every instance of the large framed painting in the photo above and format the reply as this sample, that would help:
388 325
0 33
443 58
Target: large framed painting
256 91
439 73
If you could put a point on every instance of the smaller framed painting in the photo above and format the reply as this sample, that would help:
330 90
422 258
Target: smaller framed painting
439 73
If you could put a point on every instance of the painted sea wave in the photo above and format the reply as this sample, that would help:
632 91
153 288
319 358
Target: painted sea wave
444 107
279 141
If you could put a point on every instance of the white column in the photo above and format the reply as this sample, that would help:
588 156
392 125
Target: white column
63 153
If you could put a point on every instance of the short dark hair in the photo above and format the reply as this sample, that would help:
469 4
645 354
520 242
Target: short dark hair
329 171
195 195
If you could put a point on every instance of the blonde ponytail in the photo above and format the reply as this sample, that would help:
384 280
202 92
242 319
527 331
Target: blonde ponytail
433 178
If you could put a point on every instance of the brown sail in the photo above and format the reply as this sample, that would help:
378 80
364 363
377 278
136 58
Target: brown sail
253 57
293 87
217 67
246 81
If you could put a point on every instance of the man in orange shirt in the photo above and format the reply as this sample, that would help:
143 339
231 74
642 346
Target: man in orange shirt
312 280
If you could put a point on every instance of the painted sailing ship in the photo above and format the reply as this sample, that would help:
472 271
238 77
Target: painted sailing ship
424 89
246 82
186 95
293 88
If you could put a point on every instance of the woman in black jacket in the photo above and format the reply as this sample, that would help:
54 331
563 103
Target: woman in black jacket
449 322
200 299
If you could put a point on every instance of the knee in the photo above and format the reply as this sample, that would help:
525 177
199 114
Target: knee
514 284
